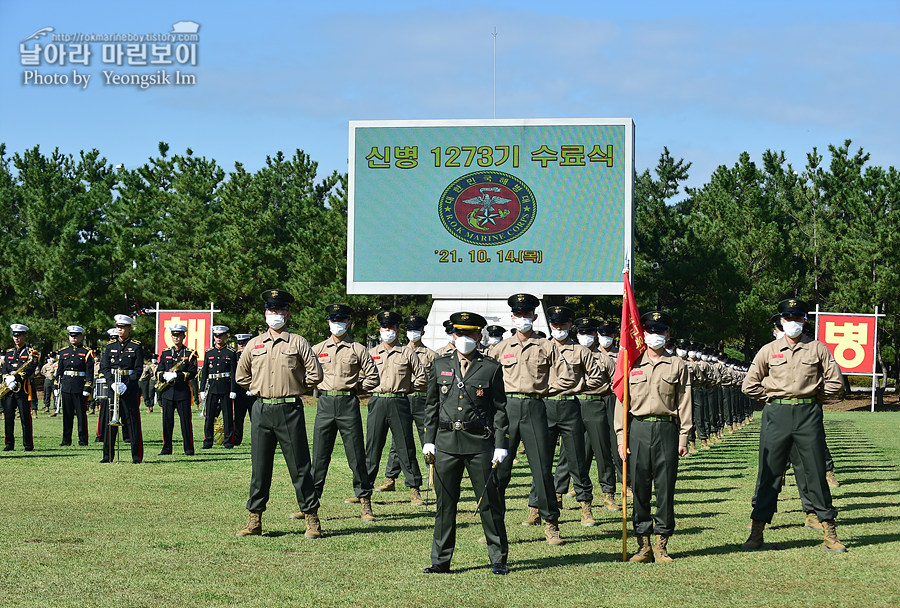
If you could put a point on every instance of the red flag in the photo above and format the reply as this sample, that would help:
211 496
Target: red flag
631 339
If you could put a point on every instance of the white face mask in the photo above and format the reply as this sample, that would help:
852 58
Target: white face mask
792 328
337 328
779 334
413 335
465 344
449 338
692 354
388 336
704 358
522 324
493 340
681 352
606 341
670 351
655 341
275 321
586 340
559 334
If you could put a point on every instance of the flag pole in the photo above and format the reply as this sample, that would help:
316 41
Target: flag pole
625 463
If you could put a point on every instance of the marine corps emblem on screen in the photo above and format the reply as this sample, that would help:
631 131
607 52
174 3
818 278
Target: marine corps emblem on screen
487 208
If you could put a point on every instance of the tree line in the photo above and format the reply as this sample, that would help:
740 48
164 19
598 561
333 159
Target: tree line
85 238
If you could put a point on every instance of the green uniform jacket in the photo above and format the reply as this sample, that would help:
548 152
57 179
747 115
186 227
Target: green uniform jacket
483 391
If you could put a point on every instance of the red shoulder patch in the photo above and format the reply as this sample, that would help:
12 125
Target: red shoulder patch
446 373
637 372
778 356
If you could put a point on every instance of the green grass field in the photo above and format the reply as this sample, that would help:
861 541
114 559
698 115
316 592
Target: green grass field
78 533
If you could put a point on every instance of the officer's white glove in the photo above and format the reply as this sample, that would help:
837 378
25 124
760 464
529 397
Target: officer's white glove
86 393
56 392
428 449
499 455
232 395
10 381
119 387
202 395
169 376
250 394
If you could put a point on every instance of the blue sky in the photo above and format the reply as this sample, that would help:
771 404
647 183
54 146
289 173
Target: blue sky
707 79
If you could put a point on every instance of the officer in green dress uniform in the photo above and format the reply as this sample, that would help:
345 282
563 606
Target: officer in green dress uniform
466 429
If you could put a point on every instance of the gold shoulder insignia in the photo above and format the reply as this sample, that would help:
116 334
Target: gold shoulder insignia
135 341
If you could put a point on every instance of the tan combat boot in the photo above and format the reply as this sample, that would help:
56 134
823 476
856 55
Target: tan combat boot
297 515
692 448
571 493
534 517
416 497
389 485
832 543
587 517
353 500
366 506
644 553
313 525
831 479
812 521
659 550
704 444
559 499
253 527
551 531
609 502
755 541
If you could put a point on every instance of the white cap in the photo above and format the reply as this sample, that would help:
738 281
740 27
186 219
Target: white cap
242 337
220 329
123 320
176 327
18 328
113 332
75 329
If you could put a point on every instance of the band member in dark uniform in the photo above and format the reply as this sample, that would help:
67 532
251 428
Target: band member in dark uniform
126 355
74 381
177 366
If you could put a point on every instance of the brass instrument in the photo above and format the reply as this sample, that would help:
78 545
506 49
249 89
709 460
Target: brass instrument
162 385
114 418
20 373
219 431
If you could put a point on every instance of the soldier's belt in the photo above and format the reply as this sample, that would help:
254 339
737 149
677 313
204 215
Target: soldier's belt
459 425
389 394
656 418
278 401
795 401
77 374
126 372
222 375
336 393
561 398
524 395
419 394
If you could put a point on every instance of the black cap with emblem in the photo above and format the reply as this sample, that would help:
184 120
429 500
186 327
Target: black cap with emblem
608 328
560 314
277 298
587 324
338 312
495 331
448 326
388 318
793 308
467 321
416 322
656 321
523 302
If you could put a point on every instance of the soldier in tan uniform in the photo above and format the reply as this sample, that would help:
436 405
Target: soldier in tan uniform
529 365
347 369
792 375
278 367
400 374
448 347
415 324
147 383
564 416
659 423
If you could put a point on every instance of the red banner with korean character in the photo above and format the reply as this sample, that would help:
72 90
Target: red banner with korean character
199 326
851 340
